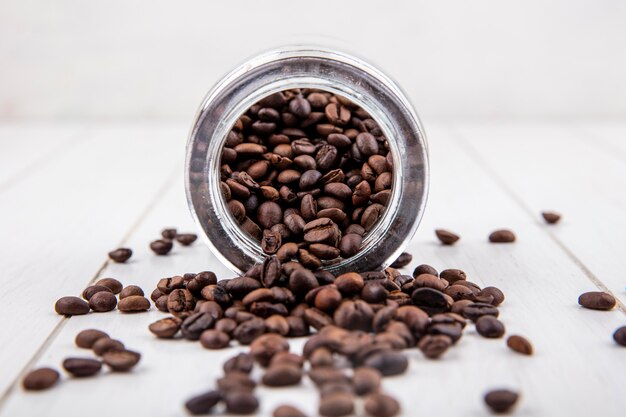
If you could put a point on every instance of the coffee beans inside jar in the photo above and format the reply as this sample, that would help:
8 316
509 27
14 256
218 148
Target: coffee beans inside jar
306 173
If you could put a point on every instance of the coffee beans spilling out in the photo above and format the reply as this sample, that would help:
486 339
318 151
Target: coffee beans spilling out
446 237
120 255
101 297
501 400
40 379
520 344
306 173
551 217
165 244
597 300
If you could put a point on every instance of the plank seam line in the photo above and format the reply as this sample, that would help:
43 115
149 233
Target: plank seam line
169 181
603 144
464 143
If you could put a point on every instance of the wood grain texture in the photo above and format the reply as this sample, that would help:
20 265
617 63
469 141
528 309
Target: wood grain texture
576 367
59 223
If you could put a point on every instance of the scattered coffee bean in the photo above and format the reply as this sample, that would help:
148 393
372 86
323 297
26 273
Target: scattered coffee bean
131 290
71 306
120 255
520 344
287 411
243 362
490 327
474 311
186 239
87 338
336 405
381 405
501 401
388 362
82 367
620 336
214 339
241 402
111 283
597 300
40 379
102 301
121 360
161 246
502 236
366 380
133 303
446 237
165 328
169 234
403 260
282 375
551 217
434 346
105 344
203 403
93 289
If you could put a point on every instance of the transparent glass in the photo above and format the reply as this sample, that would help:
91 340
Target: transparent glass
317 68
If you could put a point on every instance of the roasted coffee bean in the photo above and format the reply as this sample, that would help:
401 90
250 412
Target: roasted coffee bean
131 290
620 336
217 294
165 328
111 283
388 362
350 283
323 251
167 285
241 402
317 318
87 338
264 347
93 289
459 292
203 403
161 246
371 215
186 239
179 301
446 237
302 281
474 311
336 405
236 381
168 233
133 303
354 315
431 300
226 325
489 326
71 306
551 217
433 346
520 345
287 411
495 293
105 344
193 326
82 367
327 299
424 269
214 339
277 324
121 360
103 301
271 242
350 244
120 255
282 375
501 401
297 326
381 405
243 362
366 380
249 330
40 379
597 300
403 260
502 236
453 275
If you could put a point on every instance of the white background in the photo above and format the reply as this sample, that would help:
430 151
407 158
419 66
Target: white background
76 59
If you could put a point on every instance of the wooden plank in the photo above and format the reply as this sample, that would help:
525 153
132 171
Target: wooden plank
608 136
541 283
60 222
570 170
26 148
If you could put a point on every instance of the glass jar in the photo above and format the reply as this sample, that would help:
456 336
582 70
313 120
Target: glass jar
316 68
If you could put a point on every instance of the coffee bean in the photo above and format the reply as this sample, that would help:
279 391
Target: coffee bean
350 244
226 325
474 311
327 299
203 403
498 296
388 362
179 301
40 379
167 285
193 325
264 347
403 260
82 367
131 290
620 336
366 380
336 405
287 411
243 362
168 233
111 283
105 344
161 246
103 301
551 217
431 300
71 306
501 401
282 375
277 324
597 300
302 281
520 344
133 303
87 338
367 144
433 346
186 239
381 405
424 269
165 328
93 289
214 339
350 283
489 326
241 402
446 237
354 315
371 215
249 330
121 360
453 275
271 242
120 255
236 381
502 236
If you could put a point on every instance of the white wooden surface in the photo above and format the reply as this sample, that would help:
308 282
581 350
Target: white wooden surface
60 226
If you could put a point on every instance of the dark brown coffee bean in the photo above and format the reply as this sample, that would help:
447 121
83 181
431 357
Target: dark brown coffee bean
193 326
82 367
317 318
40 379
350 283
282 375
87 338
71 306
299 107
93 289
520 345
381 405
551 217
186 239
167 285
103 301
453 275
235 381
366 380
433 346
403 260
446 237
168 233
354 315
287 411
111 283
121 360
217 294
501 401
597 300
277 324
241 402
388 362
165 328
322 230
249 330
474 311
328 299
371 215
302 281
498 296
336 405
105 344
271 242
502 236
203 403
120 255
424 269
226 325
620 336
350 245
269 213
431 300
242 362
179 302
133 303
367 144
131 290
161 246
214 339
264 347
490 327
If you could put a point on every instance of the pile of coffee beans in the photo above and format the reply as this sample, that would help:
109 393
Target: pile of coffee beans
109 352
307 173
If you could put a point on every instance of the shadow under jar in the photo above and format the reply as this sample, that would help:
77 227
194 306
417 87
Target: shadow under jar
309 154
